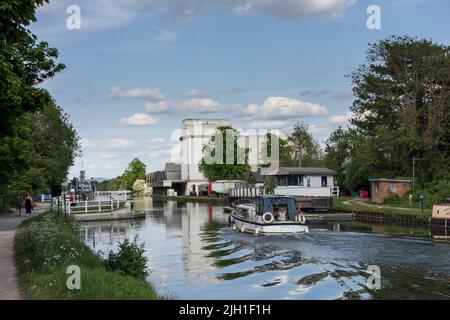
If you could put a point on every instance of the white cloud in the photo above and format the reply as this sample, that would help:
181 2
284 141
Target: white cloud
115 143
157 144
165 36
283 108
153 94
242 9
195 93
107 155
201 105
265 124
157 107
341 119
290 9
139 120
182 10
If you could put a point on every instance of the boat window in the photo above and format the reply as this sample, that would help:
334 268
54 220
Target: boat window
268 207
286 205
259 207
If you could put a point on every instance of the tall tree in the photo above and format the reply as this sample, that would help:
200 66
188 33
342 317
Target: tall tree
45 144
338 152
218 163
135 171
284 151
28 113
402 105
306 150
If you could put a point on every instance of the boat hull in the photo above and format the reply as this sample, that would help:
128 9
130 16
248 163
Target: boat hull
266 228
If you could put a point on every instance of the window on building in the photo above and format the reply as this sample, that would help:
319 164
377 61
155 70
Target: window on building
377 187
282 180
324 181
393 188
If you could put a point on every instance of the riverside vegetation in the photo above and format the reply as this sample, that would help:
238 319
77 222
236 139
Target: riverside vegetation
46 245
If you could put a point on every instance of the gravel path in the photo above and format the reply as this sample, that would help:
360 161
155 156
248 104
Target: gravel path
9 288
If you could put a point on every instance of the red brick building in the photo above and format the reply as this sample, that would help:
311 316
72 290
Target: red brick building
382 188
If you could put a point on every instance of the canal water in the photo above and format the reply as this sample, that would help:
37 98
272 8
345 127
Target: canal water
193 254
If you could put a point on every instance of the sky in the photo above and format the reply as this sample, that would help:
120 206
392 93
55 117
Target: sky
136 68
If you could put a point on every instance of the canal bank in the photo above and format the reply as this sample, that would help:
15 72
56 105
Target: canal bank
339 211
47 245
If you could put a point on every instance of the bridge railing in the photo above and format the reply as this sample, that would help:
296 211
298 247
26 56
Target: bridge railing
120 196
92 206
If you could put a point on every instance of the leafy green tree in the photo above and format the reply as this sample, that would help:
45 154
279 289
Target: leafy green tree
236 168
402 109
339 151
136 170
28 162
284 151
306 150
45 143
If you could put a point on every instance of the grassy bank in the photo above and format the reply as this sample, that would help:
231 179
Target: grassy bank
204 199
341 204
46 245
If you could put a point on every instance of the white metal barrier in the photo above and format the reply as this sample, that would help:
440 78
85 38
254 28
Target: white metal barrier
93 206
247 192
120 196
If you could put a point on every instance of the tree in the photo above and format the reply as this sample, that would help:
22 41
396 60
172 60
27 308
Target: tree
339 151
402 108
284 151
28 112
306 150
136 170
215 166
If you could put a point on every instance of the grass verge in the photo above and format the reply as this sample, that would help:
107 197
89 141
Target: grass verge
46 245
338 203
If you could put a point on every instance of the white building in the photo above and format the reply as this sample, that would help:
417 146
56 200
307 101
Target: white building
195 133
303 182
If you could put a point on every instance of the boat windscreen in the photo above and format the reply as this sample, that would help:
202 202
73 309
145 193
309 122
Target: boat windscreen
272 205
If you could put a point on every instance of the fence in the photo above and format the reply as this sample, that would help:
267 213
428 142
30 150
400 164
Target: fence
247 192
120 196
93 206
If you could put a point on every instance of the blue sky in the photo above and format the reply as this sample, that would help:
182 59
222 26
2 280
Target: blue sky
136 68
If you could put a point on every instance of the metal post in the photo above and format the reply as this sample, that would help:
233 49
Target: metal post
65 207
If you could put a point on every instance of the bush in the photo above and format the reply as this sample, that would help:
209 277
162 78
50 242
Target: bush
129 260
47 244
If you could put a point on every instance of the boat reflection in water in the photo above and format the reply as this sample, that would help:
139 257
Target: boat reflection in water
193 254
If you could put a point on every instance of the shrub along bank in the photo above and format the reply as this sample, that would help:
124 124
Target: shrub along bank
45 246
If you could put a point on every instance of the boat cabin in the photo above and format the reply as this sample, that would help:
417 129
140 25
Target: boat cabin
283 208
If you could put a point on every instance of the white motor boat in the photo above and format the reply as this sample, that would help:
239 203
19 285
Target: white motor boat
267 215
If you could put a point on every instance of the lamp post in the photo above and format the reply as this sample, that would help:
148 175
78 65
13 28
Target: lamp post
414 171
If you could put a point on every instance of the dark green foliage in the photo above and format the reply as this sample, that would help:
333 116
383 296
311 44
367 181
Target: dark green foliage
284 151
236 169
37 141
402 110
136 170
129 259
305 149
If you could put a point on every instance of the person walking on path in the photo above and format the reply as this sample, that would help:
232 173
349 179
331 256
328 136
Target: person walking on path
28 205
19 205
